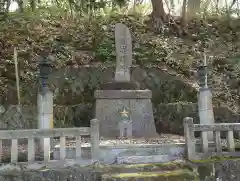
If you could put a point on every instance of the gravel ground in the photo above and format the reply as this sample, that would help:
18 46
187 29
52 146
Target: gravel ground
166 138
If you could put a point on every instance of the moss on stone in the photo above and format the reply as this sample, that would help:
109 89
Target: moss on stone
170 171
176 175
215 159
143 167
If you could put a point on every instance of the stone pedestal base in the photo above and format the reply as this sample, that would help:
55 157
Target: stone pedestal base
45 117
108 102
205 108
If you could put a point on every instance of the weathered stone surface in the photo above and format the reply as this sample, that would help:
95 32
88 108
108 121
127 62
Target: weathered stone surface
74 173
146 159
109 154
151 167
205 109
229 170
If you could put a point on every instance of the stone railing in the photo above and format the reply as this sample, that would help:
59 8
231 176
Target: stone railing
32 134
206 150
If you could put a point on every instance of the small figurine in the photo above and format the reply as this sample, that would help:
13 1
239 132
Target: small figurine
125 123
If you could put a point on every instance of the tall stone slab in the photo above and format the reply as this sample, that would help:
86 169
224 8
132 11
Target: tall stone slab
136 116
123 41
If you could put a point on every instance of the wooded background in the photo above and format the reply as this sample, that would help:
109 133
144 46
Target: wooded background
160 8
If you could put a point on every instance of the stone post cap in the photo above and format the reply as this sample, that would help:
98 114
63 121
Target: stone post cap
123 94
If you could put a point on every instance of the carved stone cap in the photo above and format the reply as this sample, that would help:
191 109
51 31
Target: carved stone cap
202 89
123 94
119 86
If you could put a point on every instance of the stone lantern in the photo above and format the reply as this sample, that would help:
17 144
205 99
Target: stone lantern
205 107
45 101
45 67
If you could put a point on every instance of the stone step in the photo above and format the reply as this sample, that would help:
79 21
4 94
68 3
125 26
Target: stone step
173 175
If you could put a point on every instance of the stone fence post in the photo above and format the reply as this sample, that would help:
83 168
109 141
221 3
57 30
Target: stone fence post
189 138
95 140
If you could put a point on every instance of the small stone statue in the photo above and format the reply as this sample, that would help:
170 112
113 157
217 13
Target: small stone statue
125 123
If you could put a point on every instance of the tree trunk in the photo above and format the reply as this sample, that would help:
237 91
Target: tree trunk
184 14
158 15
158 9
20 5
33 5
193 7
8 5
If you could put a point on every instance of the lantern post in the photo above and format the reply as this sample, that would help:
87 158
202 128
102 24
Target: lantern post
45 101
205 108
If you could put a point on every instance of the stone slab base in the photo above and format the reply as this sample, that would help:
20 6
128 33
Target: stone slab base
129 153
139 105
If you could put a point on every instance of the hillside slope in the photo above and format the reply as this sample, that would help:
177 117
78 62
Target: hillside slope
80 43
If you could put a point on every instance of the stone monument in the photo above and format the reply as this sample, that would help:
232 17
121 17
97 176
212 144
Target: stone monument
122 108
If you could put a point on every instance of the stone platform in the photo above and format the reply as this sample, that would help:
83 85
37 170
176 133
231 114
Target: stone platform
165 148
129 151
